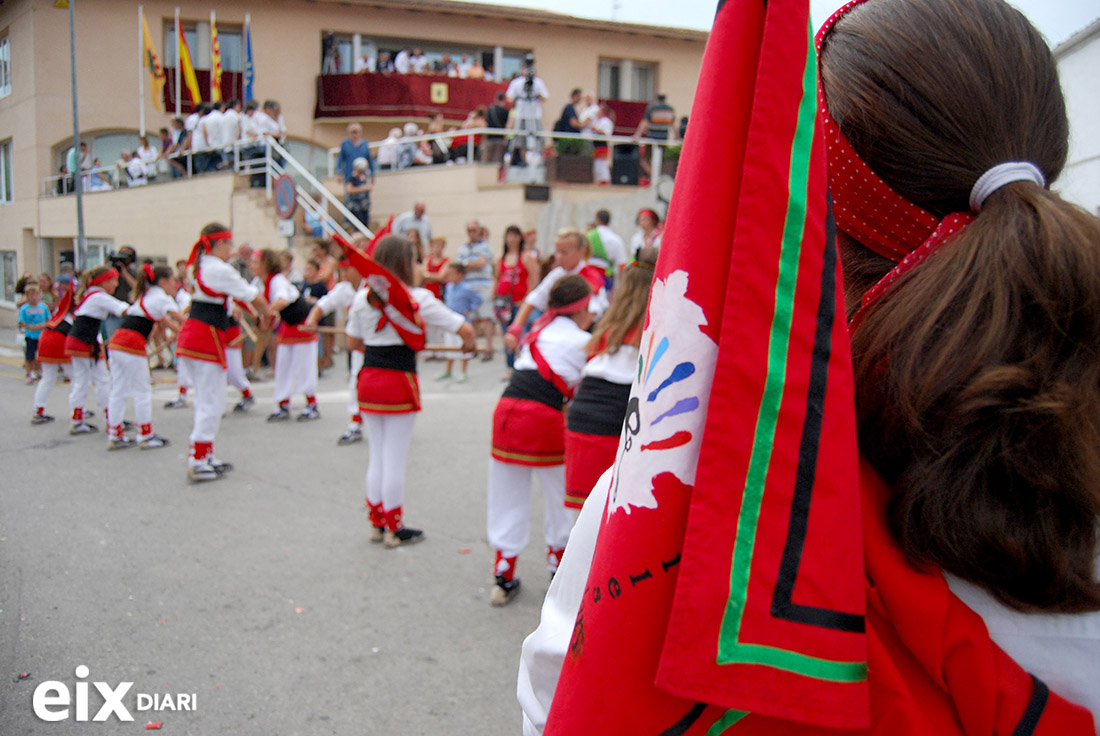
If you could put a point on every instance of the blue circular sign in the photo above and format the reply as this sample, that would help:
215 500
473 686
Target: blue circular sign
286 201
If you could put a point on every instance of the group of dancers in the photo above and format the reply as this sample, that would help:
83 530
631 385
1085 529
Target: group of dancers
558 362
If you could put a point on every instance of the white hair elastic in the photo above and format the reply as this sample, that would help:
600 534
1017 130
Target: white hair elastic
1000 175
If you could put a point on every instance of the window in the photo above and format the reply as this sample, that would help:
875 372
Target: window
5 66
6 195
97 250
8 275
623 79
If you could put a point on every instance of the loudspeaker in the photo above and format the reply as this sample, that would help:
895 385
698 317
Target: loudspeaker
625 165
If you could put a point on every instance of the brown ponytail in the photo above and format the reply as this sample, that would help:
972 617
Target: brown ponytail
978 374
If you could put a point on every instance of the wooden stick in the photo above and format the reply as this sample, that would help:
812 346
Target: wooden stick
247 329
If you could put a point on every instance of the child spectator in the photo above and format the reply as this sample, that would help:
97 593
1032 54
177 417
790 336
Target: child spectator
529 433
51 349
458 297
33 315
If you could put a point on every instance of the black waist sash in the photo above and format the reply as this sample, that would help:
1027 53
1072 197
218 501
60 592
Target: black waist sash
296 312
86 329
392 357
530 385
63 328
211 314
599 407
140 325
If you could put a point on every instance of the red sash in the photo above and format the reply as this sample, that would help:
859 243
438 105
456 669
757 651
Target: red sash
128 341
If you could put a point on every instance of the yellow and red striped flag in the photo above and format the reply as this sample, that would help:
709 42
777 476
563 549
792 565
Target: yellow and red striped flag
152 64
215 62
188 70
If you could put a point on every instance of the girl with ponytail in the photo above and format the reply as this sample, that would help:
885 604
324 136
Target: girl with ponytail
154 310
974 297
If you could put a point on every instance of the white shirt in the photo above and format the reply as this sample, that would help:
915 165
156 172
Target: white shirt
191 121
463 67
527 108
156 302
539 297
407 221
617 367
562 343
638 241
199 141
183 299
98 304
612 245
363 318
341 297
212 127
419 64
266 125
401 62
148 156
231 127
219 276
1061 649
280 288
250 131
387 151
366 63
136 171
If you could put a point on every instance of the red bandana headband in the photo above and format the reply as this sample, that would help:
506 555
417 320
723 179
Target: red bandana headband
548 316
150 277
206 242
868 209
110 273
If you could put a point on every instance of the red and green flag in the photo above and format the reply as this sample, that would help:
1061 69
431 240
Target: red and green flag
726 591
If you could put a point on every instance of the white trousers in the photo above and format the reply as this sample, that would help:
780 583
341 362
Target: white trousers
208 389
45 383
389 437
183 373
86 373
601 170
234 370
295 370
130 377
509 520
353 382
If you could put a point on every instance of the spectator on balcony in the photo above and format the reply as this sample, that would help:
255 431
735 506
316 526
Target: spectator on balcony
192 120
357 188
387 151
85 158
148 157
211 126
527 93
589 111
366 63
569 122
495 117
166 158
477 71
418 63
353 147
414 219
270 121
444 65
460 146
657 121
401 62
385 62
604 124
463 66
231 122
131 169
438 148
330 54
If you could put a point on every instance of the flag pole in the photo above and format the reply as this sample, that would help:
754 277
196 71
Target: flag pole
141 71
178 63
247 81
212 70
81 244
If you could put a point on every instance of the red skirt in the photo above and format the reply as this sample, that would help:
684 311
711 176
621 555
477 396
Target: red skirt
200 341
234 338
75 348
388 391
528 432
587 456
292 335
127 341
51 347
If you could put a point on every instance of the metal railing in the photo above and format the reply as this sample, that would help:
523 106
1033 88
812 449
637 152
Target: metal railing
656 146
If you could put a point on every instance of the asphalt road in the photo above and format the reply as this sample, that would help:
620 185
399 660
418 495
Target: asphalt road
259 594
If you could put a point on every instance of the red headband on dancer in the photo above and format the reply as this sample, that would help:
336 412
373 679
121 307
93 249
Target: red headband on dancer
149 275
206 243
652 213
548 316
868 209
110 273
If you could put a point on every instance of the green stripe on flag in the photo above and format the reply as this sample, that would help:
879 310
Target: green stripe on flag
728 718
730 649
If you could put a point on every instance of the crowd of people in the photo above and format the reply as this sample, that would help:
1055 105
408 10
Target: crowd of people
199 143
230 315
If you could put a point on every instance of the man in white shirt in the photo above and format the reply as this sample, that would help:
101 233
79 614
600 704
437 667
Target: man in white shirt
231 122
401 61
418 62
607 249
527 92
414 219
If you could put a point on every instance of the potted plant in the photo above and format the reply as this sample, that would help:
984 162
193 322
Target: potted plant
670 159
572 160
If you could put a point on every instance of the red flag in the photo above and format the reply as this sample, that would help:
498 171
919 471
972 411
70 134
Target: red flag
398 308
382 232
727 579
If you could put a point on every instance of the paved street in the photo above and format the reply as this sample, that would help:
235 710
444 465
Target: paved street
259 594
